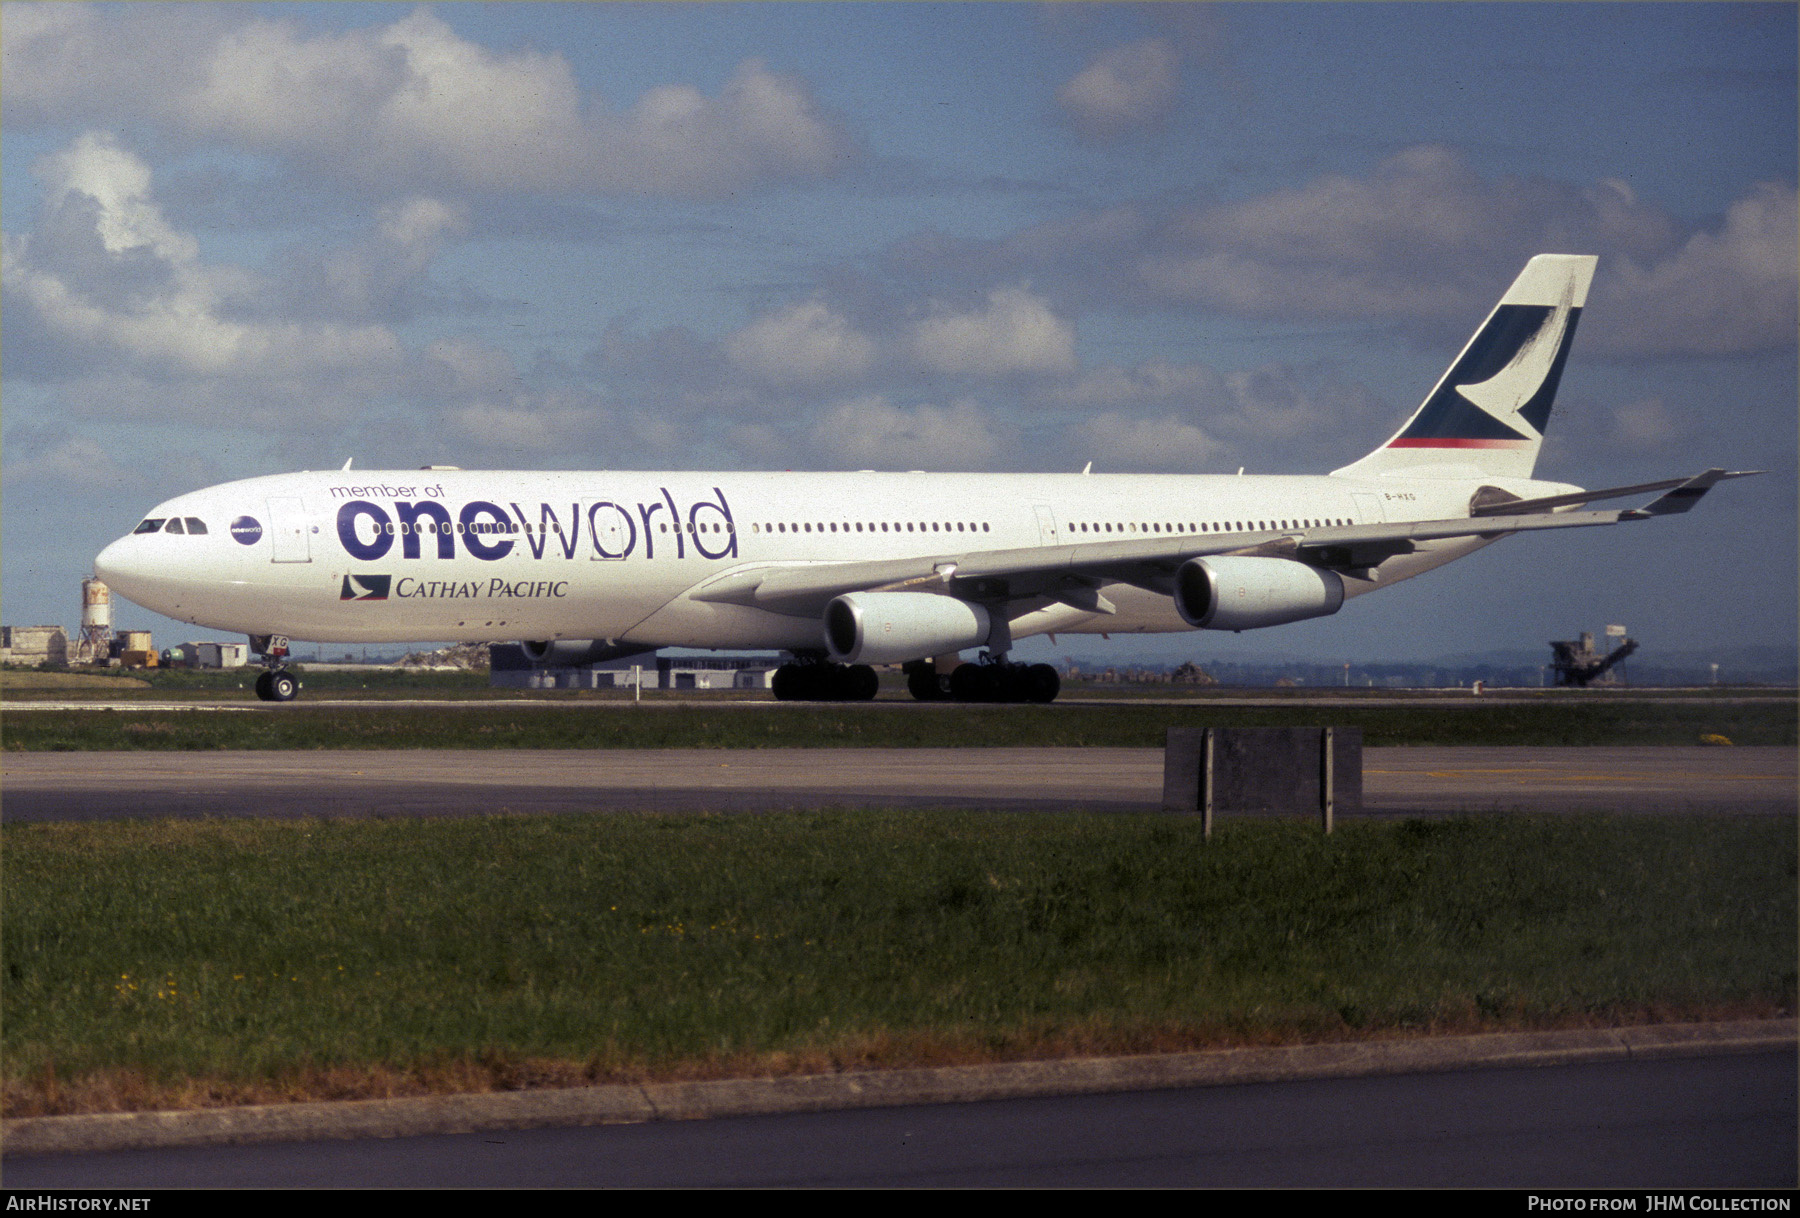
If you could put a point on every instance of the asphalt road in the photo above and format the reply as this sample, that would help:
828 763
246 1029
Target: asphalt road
1397 781
1697 1123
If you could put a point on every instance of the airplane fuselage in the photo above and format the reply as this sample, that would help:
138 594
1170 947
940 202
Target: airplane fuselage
397 556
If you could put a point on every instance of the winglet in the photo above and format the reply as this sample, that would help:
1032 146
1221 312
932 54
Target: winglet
1685 496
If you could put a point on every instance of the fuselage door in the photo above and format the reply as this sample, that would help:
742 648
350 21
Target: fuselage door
1046 522
612 534
1369 509
287 530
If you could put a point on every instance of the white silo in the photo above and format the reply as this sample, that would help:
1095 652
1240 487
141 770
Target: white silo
96 622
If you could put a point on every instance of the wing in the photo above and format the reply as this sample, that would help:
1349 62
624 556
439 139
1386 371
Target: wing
1074 574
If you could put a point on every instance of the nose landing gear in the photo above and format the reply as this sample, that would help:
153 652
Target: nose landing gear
276 684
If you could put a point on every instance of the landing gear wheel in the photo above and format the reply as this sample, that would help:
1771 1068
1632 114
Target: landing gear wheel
278 686
1002 682
825 683
974 683
923 682
860 684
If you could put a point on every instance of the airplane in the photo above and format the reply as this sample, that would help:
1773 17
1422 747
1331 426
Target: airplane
845 571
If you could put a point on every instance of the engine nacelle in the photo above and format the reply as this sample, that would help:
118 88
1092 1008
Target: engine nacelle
570 653
1237 593
891 627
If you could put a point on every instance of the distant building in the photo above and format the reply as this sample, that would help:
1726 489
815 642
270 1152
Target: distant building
511 669
221 655
34 645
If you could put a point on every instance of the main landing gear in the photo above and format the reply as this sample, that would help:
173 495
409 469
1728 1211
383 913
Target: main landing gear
817 680
990 680
276 683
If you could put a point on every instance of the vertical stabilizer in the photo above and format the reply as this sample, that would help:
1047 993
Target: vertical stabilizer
1488 413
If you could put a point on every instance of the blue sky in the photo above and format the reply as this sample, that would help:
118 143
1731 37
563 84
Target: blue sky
1185 237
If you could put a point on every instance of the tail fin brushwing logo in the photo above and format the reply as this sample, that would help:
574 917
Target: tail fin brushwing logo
1488 413
1506 394
1500 391
365 587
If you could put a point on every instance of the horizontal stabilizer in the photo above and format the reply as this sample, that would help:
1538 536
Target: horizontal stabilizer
1711 477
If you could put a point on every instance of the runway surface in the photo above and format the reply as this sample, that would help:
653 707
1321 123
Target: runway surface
1715 1122
1397 781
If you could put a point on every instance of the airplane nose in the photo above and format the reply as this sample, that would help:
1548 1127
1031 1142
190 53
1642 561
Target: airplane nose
122 566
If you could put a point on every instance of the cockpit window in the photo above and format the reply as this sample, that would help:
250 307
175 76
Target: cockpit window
149 526
196 525
174 525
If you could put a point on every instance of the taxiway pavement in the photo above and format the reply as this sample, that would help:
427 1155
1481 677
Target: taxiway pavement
1396 781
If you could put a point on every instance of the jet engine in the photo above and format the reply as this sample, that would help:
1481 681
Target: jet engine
1239 593
889 627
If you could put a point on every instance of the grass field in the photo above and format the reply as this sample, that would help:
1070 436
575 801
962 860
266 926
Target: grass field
175 964
892 725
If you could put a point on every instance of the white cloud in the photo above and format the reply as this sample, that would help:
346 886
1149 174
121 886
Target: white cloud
1721 293
489 425
1647 425
803 344
118 183
1117 441
1164 414
68 461
176 320
1423 239
472 367
1015 333
411 104
1123 90
871 433
1154 381
382 276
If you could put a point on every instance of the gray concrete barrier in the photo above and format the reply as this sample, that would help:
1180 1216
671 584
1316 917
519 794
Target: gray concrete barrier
1263 771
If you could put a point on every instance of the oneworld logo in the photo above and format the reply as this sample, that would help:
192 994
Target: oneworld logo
487 531
246 530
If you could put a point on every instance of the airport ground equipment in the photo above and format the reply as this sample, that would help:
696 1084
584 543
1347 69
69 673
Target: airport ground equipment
1577 664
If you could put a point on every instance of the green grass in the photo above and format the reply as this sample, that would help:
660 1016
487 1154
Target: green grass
181 963
889 725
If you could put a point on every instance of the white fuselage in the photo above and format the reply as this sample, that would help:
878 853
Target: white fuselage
397 556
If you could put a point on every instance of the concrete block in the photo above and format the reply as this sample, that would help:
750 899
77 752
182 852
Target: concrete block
1261 770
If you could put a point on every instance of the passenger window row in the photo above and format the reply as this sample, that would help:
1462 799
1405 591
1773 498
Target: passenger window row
882 526
1091 526
1227 526
172 524
194 525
